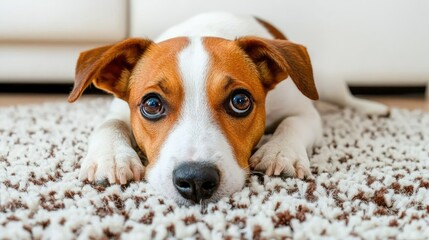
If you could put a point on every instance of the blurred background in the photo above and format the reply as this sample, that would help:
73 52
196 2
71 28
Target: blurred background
380 47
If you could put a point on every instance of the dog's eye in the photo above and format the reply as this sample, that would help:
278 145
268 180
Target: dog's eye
240 103
152 107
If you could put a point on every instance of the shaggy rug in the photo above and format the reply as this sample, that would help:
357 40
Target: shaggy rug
372 182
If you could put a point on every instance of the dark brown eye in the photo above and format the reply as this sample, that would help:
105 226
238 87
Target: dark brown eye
240 103
152 107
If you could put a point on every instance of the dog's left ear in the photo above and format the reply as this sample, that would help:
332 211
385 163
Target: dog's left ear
108 67
278 59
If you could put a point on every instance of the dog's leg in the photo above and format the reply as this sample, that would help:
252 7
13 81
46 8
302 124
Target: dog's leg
110 155
286 152
337 92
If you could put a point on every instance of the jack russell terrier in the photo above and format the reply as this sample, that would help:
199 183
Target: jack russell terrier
198 100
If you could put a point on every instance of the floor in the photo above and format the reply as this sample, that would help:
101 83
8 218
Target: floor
409 102
19 99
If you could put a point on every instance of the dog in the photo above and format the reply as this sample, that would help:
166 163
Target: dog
198 100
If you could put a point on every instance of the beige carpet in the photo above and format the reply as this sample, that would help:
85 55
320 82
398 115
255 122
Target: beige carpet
372 182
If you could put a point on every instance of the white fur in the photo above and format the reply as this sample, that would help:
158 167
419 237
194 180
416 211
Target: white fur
287 151
217 24
196 137
110 155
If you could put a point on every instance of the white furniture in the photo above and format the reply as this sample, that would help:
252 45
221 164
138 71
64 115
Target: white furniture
40 40
365 42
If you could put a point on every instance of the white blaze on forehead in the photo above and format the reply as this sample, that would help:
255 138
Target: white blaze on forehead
193 64
196 136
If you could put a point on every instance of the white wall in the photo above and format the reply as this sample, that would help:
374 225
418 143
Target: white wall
366 42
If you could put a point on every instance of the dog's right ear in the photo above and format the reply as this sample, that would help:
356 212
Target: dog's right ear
108 67
278 59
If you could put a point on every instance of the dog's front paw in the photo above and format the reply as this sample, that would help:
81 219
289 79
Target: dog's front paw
111 157
282 158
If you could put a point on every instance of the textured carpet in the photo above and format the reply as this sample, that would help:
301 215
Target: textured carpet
372 182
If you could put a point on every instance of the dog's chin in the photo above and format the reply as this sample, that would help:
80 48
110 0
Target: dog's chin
180 201
183 202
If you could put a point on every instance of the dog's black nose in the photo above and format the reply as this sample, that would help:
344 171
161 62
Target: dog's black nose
196 181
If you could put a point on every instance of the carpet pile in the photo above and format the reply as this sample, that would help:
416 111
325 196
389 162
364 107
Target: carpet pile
372 182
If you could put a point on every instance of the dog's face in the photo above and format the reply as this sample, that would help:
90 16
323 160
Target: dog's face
197 105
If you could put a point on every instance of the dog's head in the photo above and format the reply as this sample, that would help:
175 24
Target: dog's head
197 104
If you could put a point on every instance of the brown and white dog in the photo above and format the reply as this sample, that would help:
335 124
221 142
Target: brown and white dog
197 102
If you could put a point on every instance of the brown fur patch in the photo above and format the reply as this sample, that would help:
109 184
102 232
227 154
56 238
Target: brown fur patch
123 70
278 59
108 67
157 72
230 69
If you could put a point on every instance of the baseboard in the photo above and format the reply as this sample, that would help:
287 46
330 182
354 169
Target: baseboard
65 88
387 90
45 88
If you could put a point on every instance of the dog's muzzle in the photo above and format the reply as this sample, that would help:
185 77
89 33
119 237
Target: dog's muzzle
196 181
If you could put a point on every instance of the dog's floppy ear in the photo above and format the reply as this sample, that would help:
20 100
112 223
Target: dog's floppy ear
278 59
108 67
